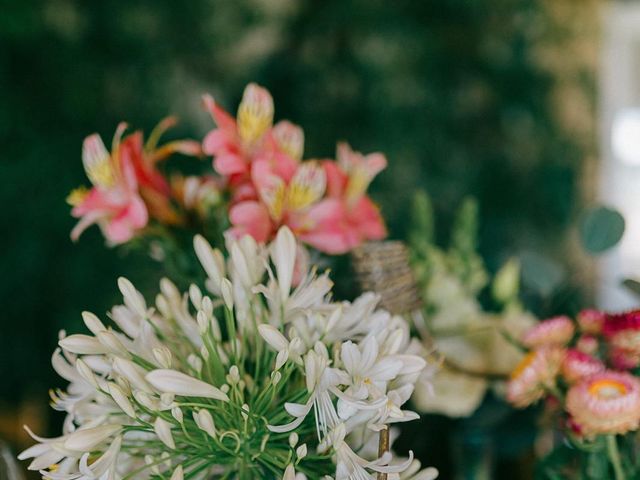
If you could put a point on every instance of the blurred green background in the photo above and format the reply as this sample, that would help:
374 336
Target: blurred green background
490 98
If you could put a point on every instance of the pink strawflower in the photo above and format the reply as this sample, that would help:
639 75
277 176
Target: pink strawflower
536 372
622 332
623 358
554 331
591 321
587 344
577 365
605 403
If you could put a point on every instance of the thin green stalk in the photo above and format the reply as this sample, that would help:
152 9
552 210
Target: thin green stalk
614 457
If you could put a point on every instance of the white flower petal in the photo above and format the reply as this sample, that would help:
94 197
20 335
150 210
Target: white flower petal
178 383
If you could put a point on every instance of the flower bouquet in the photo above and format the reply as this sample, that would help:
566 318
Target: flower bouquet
585 371
255 371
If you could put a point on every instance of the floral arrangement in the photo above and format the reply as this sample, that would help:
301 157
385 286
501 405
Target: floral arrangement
474 342
254 379
585 370
258 183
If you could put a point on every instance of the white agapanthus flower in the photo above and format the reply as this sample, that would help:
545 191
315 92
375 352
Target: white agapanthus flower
257 379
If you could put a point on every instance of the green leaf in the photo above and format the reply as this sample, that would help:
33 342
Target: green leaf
540 274
632 285
601 228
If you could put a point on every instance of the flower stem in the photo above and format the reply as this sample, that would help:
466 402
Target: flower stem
614 457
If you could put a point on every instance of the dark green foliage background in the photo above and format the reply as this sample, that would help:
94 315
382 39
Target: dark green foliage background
460 94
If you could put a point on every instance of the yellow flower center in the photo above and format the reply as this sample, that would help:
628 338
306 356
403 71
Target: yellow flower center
607 389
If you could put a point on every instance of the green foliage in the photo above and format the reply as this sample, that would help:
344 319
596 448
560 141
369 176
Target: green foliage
601 228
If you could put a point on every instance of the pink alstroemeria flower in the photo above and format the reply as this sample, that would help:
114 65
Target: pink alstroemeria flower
236 143
347 181
113 202
127 186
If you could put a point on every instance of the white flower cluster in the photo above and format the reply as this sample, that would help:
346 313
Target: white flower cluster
255 380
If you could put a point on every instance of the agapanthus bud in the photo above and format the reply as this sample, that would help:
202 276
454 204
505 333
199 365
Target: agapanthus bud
203 322
146 401
177 474
176 412
133 373
293 440
149 460
234 375
86 372
204 353
204 421
166 399
273 337
163 356
301 451
195 295
82 345
163 430
113 344
121 399
132 298
227 292
93 323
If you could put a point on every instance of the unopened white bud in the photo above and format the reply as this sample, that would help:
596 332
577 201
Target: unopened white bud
113 344
163 306
207 306
203 322
93 323
301 451
204 353
166 399
226 288
146 401
234 375
195 295
162 356
176 412
86 373
276 377
121 399
195 362
163 431
149 460
132 298
204 421
293 440
178 473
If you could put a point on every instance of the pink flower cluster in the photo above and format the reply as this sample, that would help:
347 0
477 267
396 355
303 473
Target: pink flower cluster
323 202
127 187
257 165
587 367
